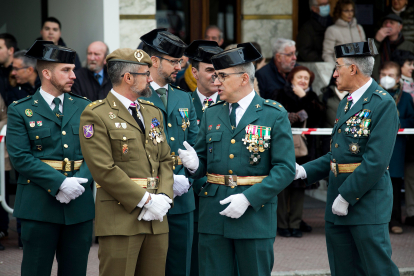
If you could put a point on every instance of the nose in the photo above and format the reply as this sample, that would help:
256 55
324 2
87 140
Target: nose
335 74
149 79
217 82
178 66
72 75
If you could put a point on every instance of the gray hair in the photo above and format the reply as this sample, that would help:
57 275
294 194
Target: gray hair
313 3
364 64
27 61
214 27
248 68
280 44
117 68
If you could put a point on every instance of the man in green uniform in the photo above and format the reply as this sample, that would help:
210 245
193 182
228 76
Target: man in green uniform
54 197
245 147
180 124
200 53
124 145
359 201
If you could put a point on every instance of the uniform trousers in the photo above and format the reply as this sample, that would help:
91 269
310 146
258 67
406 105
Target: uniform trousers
42 240
290 207
359 250
194 252
409 188
142 255
219 255
181 231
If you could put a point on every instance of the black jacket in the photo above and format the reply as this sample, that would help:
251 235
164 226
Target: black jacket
4 81
87 86
269 79
21 91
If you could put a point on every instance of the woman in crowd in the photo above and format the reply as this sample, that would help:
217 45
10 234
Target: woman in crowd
304 110
405 60
345 30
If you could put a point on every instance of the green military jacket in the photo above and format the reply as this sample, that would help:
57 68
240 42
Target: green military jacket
198 106
117 151
173 122
34 133
222 151
368 189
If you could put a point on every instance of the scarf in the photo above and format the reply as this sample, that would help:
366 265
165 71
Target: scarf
388 47
189 78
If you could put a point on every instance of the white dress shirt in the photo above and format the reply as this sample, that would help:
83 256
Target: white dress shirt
243 105
357 94
127 102
156 86
202 97
49 99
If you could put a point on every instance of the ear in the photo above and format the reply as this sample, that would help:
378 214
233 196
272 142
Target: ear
353 69
278 58
195 72
47 74
245 79
155 61
31 69
128 78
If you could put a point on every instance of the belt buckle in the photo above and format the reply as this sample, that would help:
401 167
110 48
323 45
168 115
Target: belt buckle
67 165
333 169
152 183
230 181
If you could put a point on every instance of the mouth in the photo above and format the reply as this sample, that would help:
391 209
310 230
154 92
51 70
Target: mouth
219 91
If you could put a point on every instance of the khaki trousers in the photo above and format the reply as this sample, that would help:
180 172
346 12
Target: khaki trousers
142 255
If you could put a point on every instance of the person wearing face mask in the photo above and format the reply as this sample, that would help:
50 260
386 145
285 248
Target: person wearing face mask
311 34
345 30
405 60
390 75
304 110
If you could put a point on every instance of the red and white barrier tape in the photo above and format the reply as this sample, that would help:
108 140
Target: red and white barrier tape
328 131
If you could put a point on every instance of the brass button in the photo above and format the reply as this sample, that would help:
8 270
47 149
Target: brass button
233 141
149 155
230 172
119 203
65 146
153 171
357 198
66 174
274 103
146 141
231 156
63 132
339 130
172 138
262 206
209 139
336 145
66 159
205 193
267 101
169 125
124 138
49 190
172 153
37 137
28 181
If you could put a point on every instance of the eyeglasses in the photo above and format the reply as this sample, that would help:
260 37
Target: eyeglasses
222 76
338 65
142 74
173 62
17 69
290 54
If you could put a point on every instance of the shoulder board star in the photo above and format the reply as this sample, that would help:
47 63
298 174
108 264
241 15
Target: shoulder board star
70 99
365 99
257 105
36 101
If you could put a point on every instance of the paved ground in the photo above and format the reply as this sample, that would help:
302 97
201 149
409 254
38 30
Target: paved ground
293 256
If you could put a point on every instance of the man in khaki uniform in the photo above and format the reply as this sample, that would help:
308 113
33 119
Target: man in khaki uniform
124 146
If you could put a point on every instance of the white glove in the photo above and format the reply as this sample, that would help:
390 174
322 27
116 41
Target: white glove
340 206
158 206
62 197
300 172
148 216
72 188
181 185
237 207
189 157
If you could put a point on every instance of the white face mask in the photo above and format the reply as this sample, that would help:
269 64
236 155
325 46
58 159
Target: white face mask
387 82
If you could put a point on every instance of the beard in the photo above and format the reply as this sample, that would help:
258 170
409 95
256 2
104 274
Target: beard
58 86
93 66
146 92
167 77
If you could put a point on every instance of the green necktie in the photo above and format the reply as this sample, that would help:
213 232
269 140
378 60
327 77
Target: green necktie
234 106
56 110
162 92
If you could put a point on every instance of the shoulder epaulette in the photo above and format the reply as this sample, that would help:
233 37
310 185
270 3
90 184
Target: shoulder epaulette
380 93
274 104
217 103
22 100
95 104
177 87
147 102
77 96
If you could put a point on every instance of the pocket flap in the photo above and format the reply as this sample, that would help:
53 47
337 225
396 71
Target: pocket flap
75 129
120 134
213 137
180 120
39 133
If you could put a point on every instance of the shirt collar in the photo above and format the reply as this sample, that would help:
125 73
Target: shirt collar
100 73
246 101
49 98
156 86
202 97
357 94
125 101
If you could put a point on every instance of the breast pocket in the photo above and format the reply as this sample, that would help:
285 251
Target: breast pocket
38 140
124 145
214 147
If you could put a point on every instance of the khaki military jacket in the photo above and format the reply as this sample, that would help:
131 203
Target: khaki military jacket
117 150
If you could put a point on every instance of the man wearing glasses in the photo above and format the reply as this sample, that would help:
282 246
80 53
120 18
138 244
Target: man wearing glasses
359 202
180 124
245 147
273 75
124 146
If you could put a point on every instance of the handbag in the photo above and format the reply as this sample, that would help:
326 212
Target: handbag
299 142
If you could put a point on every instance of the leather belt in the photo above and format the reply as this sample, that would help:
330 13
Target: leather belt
65 165
234 180
176 160
343 168
146 183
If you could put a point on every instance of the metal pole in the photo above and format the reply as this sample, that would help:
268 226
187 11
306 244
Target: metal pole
2 171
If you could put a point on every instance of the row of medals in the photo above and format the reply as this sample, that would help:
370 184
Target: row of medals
258 138
155 133
183 112
359 120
